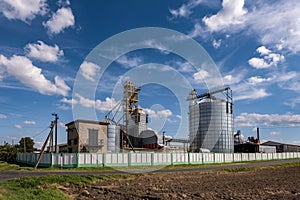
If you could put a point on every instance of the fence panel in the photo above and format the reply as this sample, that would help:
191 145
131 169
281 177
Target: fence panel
219 157
180 158
196 158
237 157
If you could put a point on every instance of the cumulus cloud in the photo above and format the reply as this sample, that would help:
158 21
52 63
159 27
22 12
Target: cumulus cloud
2 116
254 119
99 105
23 10
129 62
43 52
165 113
62 19
18 126
232 79
88 70
31 76
200 75
185 9
29 122
258 63
232 13
268 58
217 43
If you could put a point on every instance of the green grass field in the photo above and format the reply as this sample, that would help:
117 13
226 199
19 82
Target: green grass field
46 187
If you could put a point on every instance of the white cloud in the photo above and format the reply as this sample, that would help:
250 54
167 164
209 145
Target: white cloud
2 116
257 79
258 63
197 31
165 113
25 10
263 50
31 76
88 70
43 52
62 19
268 58
185 9
129 62
18 126
252 93
275 133
200 75
254 119
277 23
179 116
2 73
69 101
101 106
217 43
232 13
29 122
232 79
63 3
61 124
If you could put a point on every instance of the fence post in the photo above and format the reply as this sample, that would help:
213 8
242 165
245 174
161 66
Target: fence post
189 160
103 159
152 158
129 159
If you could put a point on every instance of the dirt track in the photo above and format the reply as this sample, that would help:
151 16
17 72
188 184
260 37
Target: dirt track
271 183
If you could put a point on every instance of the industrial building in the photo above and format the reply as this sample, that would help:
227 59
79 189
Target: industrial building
108 135
252 145
281 147
86 136
211 121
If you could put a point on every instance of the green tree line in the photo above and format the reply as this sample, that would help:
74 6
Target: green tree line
9 152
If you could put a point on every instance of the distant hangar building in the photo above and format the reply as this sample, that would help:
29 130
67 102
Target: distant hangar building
211 121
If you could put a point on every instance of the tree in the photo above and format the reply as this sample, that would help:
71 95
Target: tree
8 152
26 144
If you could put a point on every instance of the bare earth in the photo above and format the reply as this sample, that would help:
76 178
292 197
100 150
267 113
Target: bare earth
270 183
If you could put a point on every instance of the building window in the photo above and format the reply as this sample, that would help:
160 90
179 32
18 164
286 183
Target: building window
75 141
69 142
93 137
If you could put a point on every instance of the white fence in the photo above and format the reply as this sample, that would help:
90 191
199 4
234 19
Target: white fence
145 159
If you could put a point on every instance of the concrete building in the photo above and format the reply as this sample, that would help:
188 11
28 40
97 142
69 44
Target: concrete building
281 147
86 136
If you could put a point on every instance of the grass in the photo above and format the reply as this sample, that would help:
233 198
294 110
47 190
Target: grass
9 166
46 187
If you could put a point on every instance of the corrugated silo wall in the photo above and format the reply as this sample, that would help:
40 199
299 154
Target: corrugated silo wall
211 126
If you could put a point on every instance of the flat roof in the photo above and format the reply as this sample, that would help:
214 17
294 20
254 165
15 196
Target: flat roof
83 121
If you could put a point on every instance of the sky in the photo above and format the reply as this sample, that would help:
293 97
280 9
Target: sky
46 50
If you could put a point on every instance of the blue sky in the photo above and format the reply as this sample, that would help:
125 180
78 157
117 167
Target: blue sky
44 44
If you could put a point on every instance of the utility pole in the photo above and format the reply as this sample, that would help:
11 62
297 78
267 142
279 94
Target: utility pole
55 123
44 145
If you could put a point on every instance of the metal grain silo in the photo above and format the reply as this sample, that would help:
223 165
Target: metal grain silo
211 121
